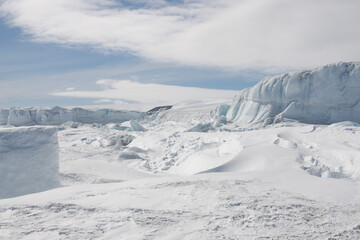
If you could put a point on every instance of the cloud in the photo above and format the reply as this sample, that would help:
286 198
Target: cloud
237 34
101 101
129 91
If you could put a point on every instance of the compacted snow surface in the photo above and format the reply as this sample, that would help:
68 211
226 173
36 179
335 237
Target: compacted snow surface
197 172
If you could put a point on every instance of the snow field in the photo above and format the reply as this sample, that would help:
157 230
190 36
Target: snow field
206 185
208 206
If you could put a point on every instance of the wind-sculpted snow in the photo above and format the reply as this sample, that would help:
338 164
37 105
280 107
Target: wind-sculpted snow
323 96
28 160
201 207
58 115
167 182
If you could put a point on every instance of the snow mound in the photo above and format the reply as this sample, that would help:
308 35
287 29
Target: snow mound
29 160
323 95
58 115
345 124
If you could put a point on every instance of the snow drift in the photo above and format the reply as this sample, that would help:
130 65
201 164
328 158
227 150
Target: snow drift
58 115
28 160
323 95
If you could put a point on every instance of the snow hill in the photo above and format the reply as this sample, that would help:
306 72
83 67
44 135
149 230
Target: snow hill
323 95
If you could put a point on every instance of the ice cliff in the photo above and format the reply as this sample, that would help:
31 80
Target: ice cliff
58 115
29 160
323 95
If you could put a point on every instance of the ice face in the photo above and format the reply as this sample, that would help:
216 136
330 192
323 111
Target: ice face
58 115
4 114
29 160
323 96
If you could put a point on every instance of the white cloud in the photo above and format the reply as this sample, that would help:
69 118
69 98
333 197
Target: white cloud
103 101
125 90
236 34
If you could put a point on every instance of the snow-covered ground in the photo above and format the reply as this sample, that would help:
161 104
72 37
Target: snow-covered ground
196 171
287 181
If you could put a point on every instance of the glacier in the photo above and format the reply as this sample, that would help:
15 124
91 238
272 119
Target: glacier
59 115
324 95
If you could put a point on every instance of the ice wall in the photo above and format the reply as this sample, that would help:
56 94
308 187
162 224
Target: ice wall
58 115
322 96
4 114
28 160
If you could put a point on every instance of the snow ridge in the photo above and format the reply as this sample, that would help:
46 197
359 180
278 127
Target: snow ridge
323 95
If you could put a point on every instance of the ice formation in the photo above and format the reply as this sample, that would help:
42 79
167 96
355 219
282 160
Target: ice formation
28 160
136 126
58 115
131 125
323 95
193 174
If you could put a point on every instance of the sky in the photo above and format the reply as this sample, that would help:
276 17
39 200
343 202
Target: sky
84 52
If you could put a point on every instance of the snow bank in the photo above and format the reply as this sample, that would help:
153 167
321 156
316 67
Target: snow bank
345 124
323 96
28 160
58 115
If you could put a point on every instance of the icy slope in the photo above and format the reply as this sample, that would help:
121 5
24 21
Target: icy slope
28 160
323 96
58 115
